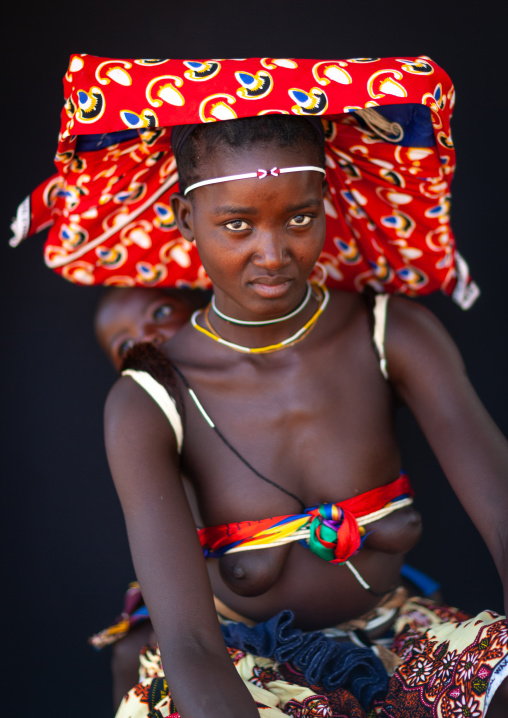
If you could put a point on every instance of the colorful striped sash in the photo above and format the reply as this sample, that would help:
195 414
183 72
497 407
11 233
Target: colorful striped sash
332 531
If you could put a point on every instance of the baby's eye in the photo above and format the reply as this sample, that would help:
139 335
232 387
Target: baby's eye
124 347
162 312
237 225
301 220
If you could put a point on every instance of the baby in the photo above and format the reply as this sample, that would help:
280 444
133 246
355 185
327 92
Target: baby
126 316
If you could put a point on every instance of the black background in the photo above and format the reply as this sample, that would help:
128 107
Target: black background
65 558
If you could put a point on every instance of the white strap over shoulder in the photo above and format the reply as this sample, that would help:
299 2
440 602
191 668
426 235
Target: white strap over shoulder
161 397
380 309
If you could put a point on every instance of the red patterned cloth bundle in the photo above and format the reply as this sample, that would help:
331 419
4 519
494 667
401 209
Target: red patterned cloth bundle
389 156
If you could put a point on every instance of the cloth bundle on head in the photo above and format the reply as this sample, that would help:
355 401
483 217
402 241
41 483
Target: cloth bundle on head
389 157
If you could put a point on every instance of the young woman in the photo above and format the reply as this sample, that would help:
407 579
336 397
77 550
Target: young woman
268 422
291 378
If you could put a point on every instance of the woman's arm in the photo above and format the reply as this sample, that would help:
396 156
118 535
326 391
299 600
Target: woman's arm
168 559
427 372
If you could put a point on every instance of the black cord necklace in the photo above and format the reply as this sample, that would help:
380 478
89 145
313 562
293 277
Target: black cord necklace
226 442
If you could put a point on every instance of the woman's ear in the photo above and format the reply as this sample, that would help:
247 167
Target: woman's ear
182 210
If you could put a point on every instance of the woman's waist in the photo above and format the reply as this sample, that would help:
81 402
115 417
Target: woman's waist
372 623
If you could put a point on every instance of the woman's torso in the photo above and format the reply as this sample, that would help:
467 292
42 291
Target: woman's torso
316 418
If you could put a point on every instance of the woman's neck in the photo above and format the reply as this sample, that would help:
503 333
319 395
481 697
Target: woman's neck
283 331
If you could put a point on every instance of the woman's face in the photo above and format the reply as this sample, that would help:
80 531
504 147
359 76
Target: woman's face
258 239
129 316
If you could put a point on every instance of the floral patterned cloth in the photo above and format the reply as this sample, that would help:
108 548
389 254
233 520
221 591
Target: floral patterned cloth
389 157
450 665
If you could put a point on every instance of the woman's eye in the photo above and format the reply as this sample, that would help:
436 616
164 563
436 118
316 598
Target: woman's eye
301 220
237 225
124 347
163 312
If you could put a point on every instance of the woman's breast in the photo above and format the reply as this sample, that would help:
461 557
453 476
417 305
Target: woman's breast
252 573
259 583
397 533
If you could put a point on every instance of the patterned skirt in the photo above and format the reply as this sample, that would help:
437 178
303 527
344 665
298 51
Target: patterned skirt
442 663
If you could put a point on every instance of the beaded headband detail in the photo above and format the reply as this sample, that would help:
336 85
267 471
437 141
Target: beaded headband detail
260 174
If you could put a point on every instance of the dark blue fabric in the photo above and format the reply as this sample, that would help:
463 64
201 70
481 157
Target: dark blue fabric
414 119
141 611
323 661
425 584
91 143
179 134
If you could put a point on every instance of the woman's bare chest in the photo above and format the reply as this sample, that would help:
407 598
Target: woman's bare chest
322 438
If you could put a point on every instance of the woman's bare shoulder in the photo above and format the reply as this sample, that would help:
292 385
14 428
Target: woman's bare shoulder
132 417
130 397
417 343
344 307
408 314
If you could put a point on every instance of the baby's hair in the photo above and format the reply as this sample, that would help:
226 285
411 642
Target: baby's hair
284 130
145 356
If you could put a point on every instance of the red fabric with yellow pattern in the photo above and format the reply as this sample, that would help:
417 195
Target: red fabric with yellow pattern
387 207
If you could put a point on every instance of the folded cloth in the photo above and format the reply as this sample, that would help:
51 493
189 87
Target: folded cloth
322 660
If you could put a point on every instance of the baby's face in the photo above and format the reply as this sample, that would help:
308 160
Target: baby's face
130 316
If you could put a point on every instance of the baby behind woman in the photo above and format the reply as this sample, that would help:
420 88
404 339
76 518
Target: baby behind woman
126 316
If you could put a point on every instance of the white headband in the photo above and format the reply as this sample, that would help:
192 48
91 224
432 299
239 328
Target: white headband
260 174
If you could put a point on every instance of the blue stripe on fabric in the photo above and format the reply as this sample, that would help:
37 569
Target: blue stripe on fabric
424 583
414 119
140 612
92 143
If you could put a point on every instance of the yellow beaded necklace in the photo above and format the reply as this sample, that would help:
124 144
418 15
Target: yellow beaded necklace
298 336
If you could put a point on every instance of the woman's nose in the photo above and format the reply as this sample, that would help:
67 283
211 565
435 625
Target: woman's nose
271 251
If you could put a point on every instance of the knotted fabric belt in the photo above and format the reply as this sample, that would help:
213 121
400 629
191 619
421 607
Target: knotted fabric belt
332 531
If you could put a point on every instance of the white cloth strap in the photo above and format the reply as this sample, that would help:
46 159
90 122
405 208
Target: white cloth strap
380 308
161 397
260 174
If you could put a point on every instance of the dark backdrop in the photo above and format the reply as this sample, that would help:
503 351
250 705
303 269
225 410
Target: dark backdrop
66 560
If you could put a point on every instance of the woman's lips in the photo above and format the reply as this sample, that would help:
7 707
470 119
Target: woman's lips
270 288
